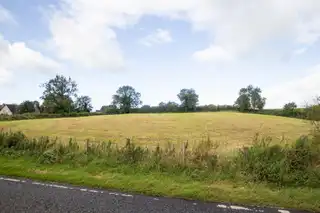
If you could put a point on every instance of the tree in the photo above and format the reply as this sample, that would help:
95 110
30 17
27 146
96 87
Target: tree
290 106
58 94
110 109
172 106
168 107
317 100
243 103
26 107
289 109
257 102
162 107
126 98
189 99
250 99
145 109
83 104
313 114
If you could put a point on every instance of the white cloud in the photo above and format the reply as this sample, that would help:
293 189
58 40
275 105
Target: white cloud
5 76
83 31
160 36
301 91
6 16
213 53
18 57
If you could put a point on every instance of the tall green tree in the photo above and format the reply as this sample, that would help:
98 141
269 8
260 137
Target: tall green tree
290 106
83 104
250 99
126 98
189 99
289 109
26 107
243 103
59 94
168 107
110 109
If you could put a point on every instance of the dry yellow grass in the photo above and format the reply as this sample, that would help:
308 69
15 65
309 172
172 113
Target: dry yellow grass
230 130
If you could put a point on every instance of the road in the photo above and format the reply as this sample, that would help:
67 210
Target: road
27 196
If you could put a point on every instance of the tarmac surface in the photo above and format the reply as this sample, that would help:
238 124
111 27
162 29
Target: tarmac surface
28 196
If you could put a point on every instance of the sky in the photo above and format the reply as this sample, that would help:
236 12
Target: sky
159 47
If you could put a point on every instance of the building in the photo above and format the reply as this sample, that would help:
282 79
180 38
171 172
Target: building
7 109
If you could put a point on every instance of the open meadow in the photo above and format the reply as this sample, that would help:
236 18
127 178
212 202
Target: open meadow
262 174
229 129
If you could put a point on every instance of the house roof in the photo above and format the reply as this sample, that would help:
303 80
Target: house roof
12 107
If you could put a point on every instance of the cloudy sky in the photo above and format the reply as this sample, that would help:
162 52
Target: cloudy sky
161 46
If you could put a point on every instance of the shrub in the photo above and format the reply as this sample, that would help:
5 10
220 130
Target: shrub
11 139
297 164
289 165
48 157
131 153
27 116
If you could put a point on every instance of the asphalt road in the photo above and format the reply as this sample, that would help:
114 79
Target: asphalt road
27 196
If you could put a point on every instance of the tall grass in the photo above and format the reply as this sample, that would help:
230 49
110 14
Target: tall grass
291 165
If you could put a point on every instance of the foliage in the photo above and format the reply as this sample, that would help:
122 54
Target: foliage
58 95
313 114
296 165
243 103
289 109
290 106
126 98
189 99
250 99
28 116
28 107
83 104
110 109
169 107
300 113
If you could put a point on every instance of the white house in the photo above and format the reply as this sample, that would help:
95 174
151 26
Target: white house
5 109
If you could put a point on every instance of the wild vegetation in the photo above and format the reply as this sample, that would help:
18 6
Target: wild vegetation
60 98
295 165
292 165
228 129
207 156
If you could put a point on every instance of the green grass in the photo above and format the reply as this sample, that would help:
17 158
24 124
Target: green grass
159 184
264 174
271 170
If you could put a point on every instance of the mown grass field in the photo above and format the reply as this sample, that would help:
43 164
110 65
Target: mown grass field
230 130
263 174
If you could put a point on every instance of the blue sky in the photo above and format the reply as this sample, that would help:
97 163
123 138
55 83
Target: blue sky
160 47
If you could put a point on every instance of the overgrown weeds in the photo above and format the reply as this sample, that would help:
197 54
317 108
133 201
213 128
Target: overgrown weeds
297 164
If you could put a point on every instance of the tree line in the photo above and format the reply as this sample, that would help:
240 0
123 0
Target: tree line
60 96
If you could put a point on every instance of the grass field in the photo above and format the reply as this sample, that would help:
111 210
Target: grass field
263 174
168 185
230 130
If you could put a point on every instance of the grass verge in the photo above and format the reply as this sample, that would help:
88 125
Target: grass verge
158 184
263 174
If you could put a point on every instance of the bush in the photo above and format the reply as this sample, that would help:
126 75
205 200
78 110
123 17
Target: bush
295 113
28 116
289 165
12 139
